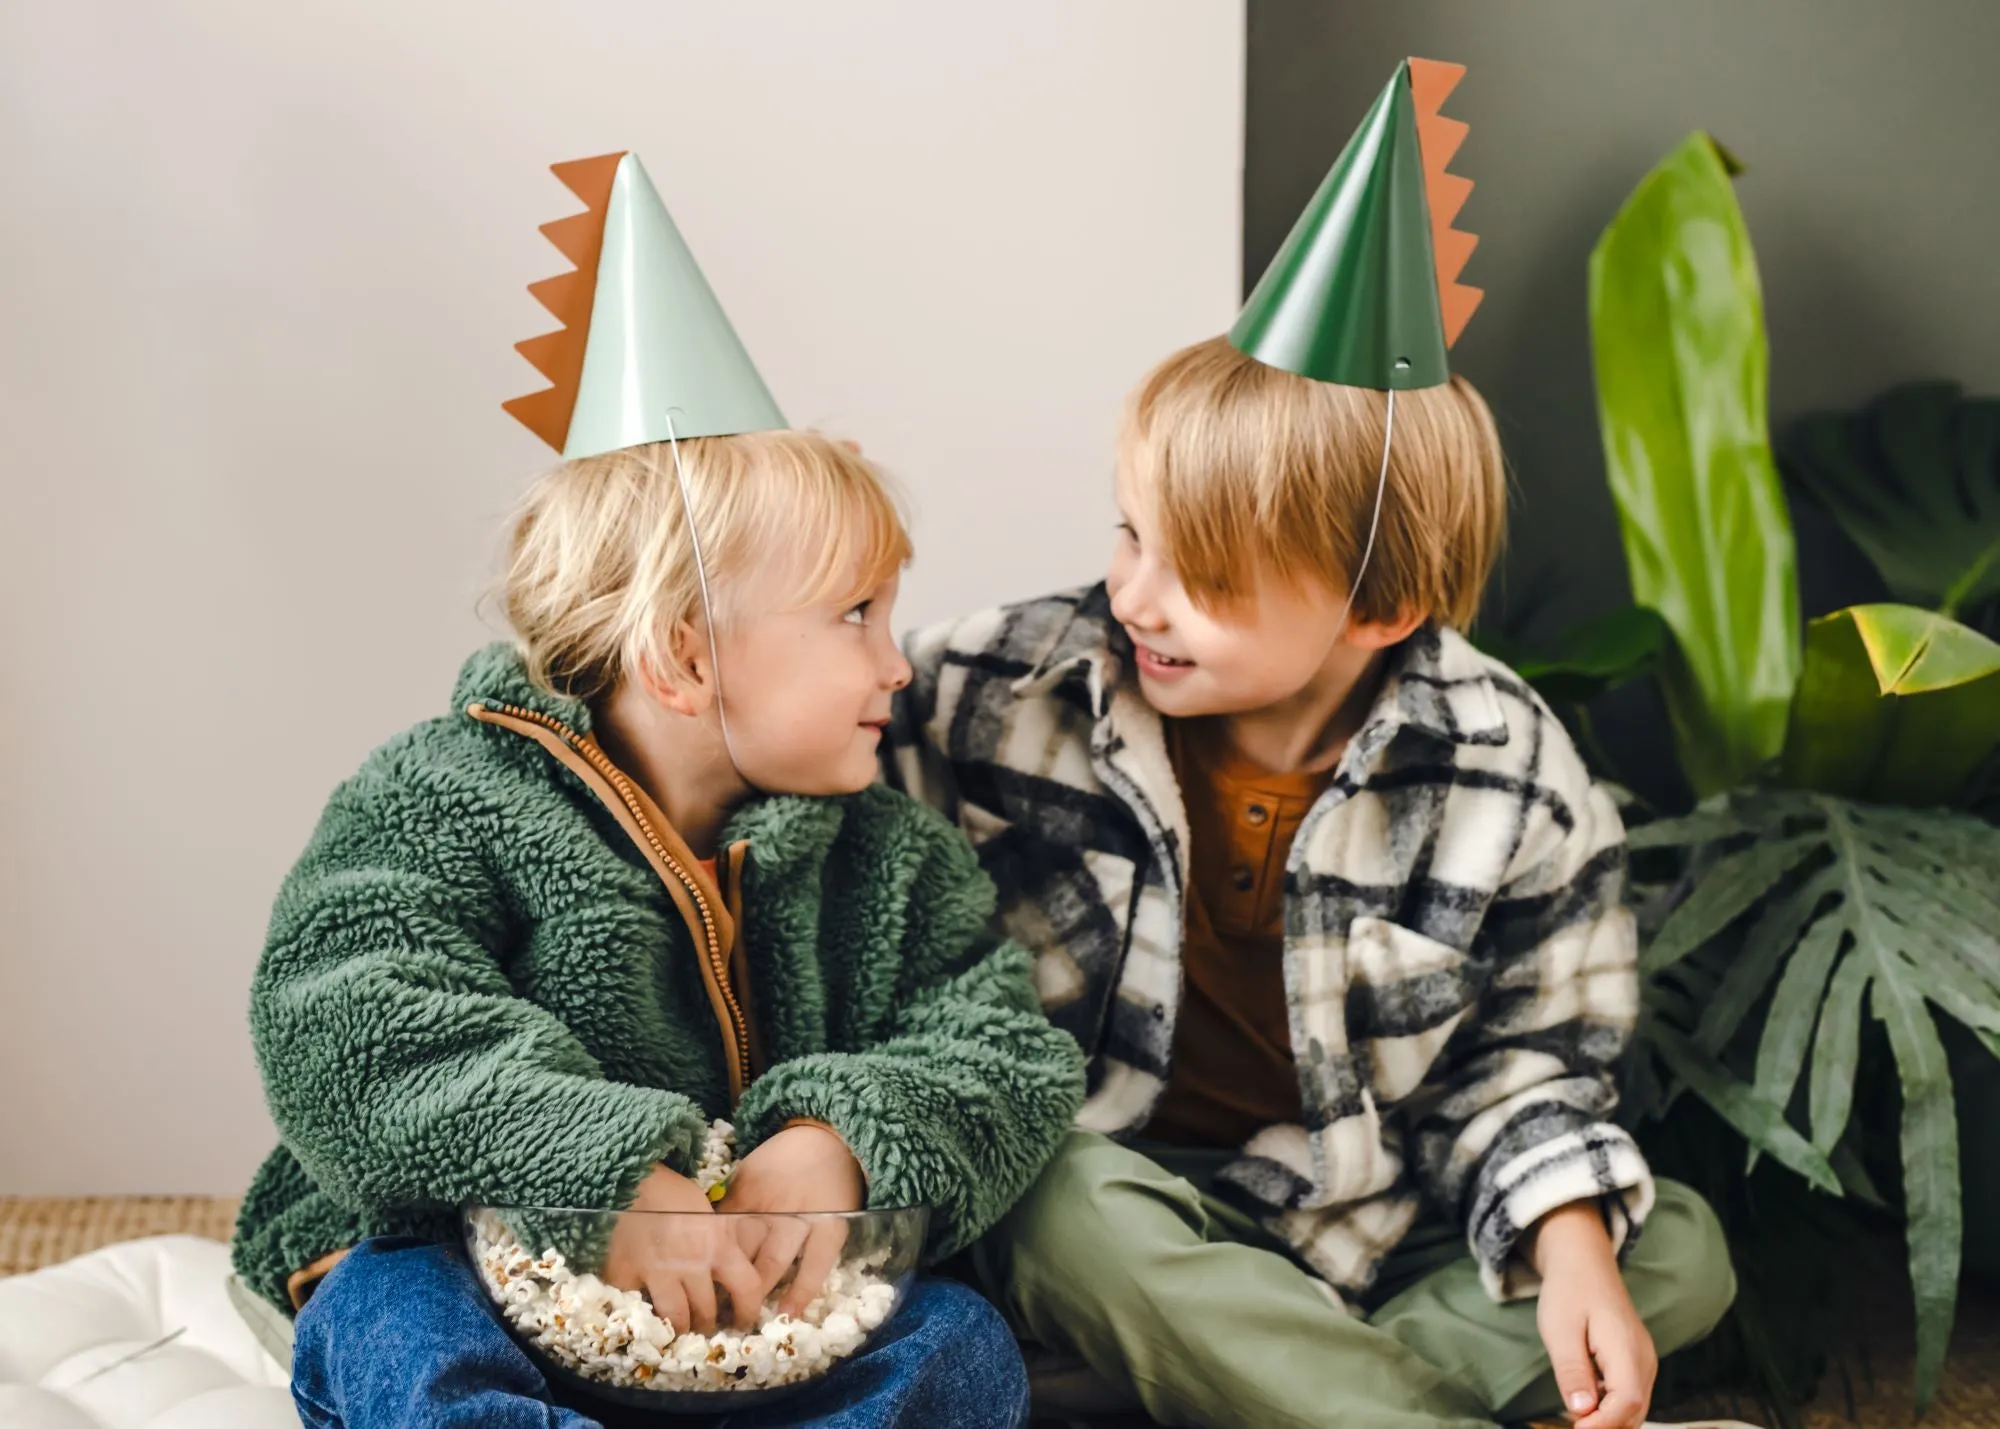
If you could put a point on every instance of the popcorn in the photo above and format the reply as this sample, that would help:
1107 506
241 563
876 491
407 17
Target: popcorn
759 1356
718 1159
878 1299
841 1334
614 1337
806 1340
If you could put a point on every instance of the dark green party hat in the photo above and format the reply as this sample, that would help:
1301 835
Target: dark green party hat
1365 291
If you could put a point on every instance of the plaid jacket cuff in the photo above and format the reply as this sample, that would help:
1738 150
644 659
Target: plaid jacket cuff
1592 1163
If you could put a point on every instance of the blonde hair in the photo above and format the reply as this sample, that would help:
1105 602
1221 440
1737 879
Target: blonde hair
1249 467
601 572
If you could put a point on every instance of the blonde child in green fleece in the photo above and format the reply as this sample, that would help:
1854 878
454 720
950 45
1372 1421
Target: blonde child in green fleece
633 879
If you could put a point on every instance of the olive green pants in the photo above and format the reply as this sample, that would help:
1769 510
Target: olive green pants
1122 1257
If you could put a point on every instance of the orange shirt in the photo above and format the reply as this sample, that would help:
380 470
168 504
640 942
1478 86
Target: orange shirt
1233 1070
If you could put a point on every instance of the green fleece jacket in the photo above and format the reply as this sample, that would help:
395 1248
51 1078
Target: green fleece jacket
476 989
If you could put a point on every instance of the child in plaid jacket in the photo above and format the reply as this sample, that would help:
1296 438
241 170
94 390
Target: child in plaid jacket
1334 909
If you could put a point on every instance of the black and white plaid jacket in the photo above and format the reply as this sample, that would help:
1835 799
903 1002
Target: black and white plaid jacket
1460 966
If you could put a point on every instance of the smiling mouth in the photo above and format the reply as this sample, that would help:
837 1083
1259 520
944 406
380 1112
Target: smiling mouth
1147 652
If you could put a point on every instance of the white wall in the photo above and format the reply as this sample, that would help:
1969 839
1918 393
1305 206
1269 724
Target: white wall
259 274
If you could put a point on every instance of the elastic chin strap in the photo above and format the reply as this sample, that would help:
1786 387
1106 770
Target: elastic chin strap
1374 520
707 605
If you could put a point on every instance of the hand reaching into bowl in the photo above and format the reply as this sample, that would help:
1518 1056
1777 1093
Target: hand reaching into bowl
633 1300
678 1260
805 1167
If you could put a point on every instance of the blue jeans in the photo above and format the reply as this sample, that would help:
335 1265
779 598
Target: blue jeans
401 1336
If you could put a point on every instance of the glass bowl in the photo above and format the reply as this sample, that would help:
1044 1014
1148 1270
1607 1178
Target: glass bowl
550 1273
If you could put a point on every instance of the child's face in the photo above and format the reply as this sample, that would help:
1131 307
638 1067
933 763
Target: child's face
1275 645
807 693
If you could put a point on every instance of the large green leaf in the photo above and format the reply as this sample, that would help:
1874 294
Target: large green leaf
1931 1194
1713 822
1677 334
1896 705
1762 1123
1727 890
1914 479
1892 909
1795 1008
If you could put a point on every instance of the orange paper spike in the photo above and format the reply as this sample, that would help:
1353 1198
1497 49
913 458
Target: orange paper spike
1432 81
545 413
558 355
566 296
548 354
1455 305
1438 138
590 179
1447 194
576 236
1454 246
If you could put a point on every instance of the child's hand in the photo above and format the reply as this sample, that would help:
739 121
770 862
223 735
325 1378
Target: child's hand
1603 1356
805 1167
802 1168
678 1259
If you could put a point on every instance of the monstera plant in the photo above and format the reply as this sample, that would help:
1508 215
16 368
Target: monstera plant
1832 890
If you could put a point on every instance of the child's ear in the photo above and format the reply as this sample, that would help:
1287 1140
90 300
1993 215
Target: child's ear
690 688
1381 634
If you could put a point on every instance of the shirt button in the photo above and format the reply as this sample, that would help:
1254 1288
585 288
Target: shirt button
1257 814
1243 879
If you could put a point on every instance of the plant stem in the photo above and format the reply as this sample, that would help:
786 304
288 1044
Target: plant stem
1963 586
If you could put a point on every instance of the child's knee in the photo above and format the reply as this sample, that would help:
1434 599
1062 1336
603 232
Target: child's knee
398 1278
981 1370
1093 1201
1694 1281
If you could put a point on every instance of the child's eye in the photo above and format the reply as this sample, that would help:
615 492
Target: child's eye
1124 528
858 615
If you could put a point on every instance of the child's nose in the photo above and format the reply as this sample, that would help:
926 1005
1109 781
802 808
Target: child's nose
1132 602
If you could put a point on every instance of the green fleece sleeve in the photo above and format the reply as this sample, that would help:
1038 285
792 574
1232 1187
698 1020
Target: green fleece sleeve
399 1064
958 1094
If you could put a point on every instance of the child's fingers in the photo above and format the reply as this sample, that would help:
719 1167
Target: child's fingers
1618 1409
1576 1373
774 1253
750 1231
670 1301
1626 1365
733 1271
824 1243
700 1291
620 1269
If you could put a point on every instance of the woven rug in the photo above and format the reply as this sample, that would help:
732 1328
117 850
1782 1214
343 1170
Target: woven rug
41 1231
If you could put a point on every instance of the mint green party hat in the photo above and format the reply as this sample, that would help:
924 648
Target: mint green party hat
643 341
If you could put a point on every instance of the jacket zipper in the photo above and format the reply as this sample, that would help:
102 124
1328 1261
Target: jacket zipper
711 945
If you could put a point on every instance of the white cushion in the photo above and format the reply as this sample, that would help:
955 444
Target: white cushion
61 1327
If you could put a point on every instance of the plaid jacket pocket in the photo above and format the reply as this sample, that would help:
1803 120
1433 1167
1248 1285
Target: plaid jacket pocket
1406 995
